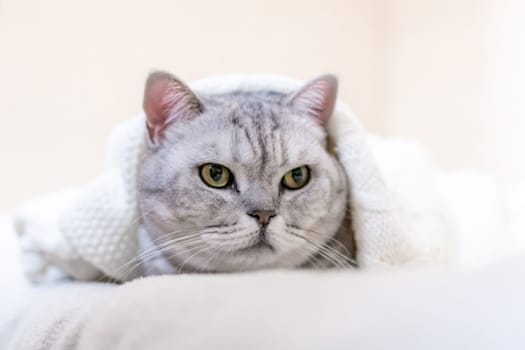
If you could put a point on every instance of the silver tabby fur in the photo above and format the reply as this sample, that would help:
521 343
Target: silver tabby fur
197 228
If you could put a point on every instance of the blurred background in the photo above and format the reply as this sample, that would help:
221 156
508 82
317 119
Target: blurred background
449 73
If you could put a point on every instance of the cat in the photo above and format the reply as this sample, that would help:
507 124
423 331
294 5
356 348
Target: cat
241 181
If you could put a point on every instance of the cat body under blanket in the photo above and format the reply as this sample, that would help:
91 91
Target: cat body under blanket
241 181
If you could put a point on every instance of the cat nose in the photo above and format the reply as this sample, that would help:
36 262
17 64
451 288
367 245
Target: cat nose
263 216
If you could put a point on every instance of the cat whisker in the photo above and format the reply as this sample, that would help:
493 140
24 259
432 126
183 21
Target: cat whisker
141 216
169 245
206 248
332 255
131 224
154 251
197 245
220 241
201 229
306 254
223 235
166 243
213 256
325 245
331 239
161 252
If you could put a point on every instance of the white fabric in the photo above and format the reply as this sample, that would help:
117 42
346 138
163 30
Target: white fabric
404 211
14 288
292 310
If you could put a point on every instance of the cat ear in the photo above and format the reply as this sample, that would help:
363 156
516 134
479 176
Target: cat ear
317 98
166 99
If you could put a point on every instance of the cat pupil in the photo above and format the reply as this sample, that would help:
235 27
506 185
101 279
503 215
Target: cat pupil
215 172
297 175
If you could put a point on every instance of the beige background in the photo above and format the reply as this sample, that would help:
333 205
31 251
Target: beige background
449 73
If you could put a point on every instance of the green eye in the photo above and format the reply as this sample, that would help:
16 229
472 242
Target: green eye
215 175
296 178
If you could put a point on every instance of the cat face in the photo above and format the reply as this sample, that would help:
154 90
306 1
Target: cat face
239 181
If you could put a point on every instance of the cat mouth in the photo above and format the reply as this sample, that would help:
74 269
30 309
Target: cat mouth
260 245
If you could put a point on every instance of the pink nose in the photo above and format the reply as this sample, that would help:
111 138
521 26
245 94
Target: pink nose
263 216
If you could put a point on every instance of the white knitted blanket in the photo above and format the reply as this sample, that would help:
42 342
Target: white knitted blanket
404 210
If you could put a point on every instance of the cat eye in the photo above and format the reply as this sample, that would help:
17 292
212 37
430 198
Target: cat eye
296 178
215 175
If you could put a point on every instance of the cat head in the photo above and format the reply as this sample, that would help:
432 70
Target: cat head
241 180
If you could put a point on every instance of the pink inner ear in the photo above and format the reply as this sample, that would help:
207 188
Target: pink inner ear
156 109
317 98
166 99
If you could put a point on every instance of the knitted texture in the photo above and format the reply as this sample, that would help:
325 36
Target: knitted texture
102 224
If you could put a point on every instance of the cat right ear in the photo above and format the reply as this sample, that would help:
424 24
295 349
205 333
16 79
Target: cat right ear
167 99
317 98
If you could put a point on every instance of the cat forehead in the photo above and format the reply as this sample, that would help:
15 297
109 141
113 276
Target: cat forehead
248 127
264 111
239 104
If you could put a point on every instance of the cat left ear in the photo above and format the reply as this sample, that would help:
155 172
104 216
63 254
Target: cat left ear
166 99
317 98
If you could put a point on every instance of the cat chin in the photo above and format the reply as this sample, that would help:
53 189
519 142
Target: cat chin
247 259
